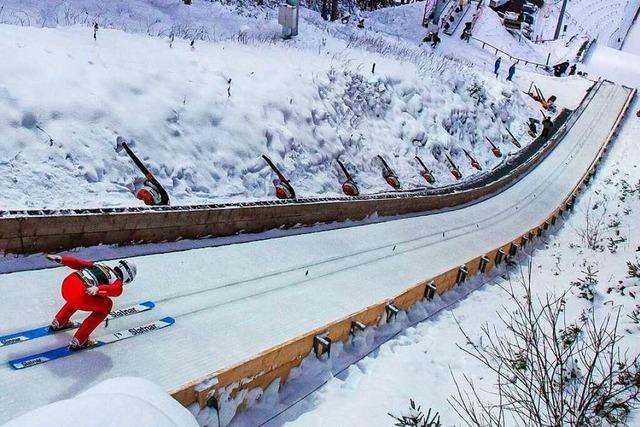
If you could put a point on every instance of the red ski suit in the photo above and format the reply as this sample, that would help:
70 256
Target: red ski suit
74 292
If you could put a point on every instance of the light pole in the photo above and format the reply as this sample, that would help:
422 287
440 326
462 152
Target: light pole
560 19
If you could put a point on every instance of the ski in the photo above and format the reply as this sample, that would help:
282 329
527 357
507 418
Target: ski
134 309
44 331
58 353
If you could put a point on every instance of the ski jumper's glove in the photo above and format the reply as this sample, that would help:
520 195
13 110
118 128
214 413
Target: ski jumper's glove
92 290
55 258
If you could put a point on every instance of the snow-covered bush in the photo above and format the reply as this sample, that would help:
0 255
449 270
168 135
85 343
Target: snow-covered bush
569 372
592 229
586 285
417 418
633 268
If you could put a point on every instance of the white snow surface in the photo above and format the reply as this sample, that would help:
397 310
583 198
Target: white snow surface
289 285
202 20
608 21
632 42
421 362
122 402
303 103
173 102
617 65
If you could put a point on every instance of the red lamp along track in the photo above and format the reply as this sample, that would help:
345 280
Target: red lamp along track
426 173
453 168
349 187
494 148
474 163
152 193
284 189
389 175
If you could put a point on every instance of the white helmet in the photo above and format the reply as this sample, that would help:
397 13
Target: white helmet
127 270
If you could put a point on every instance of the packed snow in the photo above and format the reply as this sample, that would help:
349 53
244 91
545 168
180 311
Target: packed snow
309 280
200 117
608 21
203 20
122 402
632 42
378 373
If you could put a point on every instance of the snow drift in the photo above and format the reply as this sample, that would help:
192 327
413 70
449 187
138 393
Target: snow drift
122 402
200 118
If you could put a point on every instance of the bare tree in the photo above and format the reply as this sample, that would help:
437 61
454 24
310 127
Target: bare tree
592 230
633 269
549 372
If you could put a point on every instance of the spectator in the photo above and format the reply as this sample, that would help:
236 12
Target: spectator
466 35
547 125
497 66
533 127
436 40
560 69
572 70
512 71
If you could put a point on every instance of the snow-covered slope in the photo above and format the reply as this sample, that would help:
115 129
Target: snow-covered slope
310 279
122 402
421 362
632 43
202 20
304 107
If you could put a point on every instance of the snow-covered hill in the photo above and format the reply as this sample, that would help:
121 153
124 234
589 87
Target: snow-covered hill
201 20
304 104
125 402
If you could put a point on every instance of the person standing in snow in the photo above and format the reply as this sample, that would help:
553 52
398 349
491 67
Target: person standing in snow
533 127
547 125
436 40
560 69
89 288
512 71
497 66
572 70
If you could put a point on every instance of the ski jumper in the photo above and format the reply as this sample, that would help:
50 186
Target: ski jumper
74 292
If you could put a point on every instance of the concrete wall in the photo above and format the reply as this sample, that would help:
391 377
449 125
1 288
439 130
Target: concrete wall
26 234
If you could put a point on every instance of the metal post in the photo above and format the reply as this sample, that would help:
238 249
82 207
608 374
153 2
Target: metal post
437 11
296 4
560 18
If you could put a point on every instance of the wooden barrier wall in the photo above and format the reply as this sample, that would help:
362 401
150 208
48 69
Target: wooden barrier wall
52 233
277 362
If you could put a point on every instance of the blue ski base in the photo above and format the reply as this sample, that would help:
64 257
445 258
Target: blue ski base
58 353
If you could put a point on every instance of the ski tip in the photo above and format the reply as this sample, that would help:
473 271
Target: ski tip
170 320
25 362
149 304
